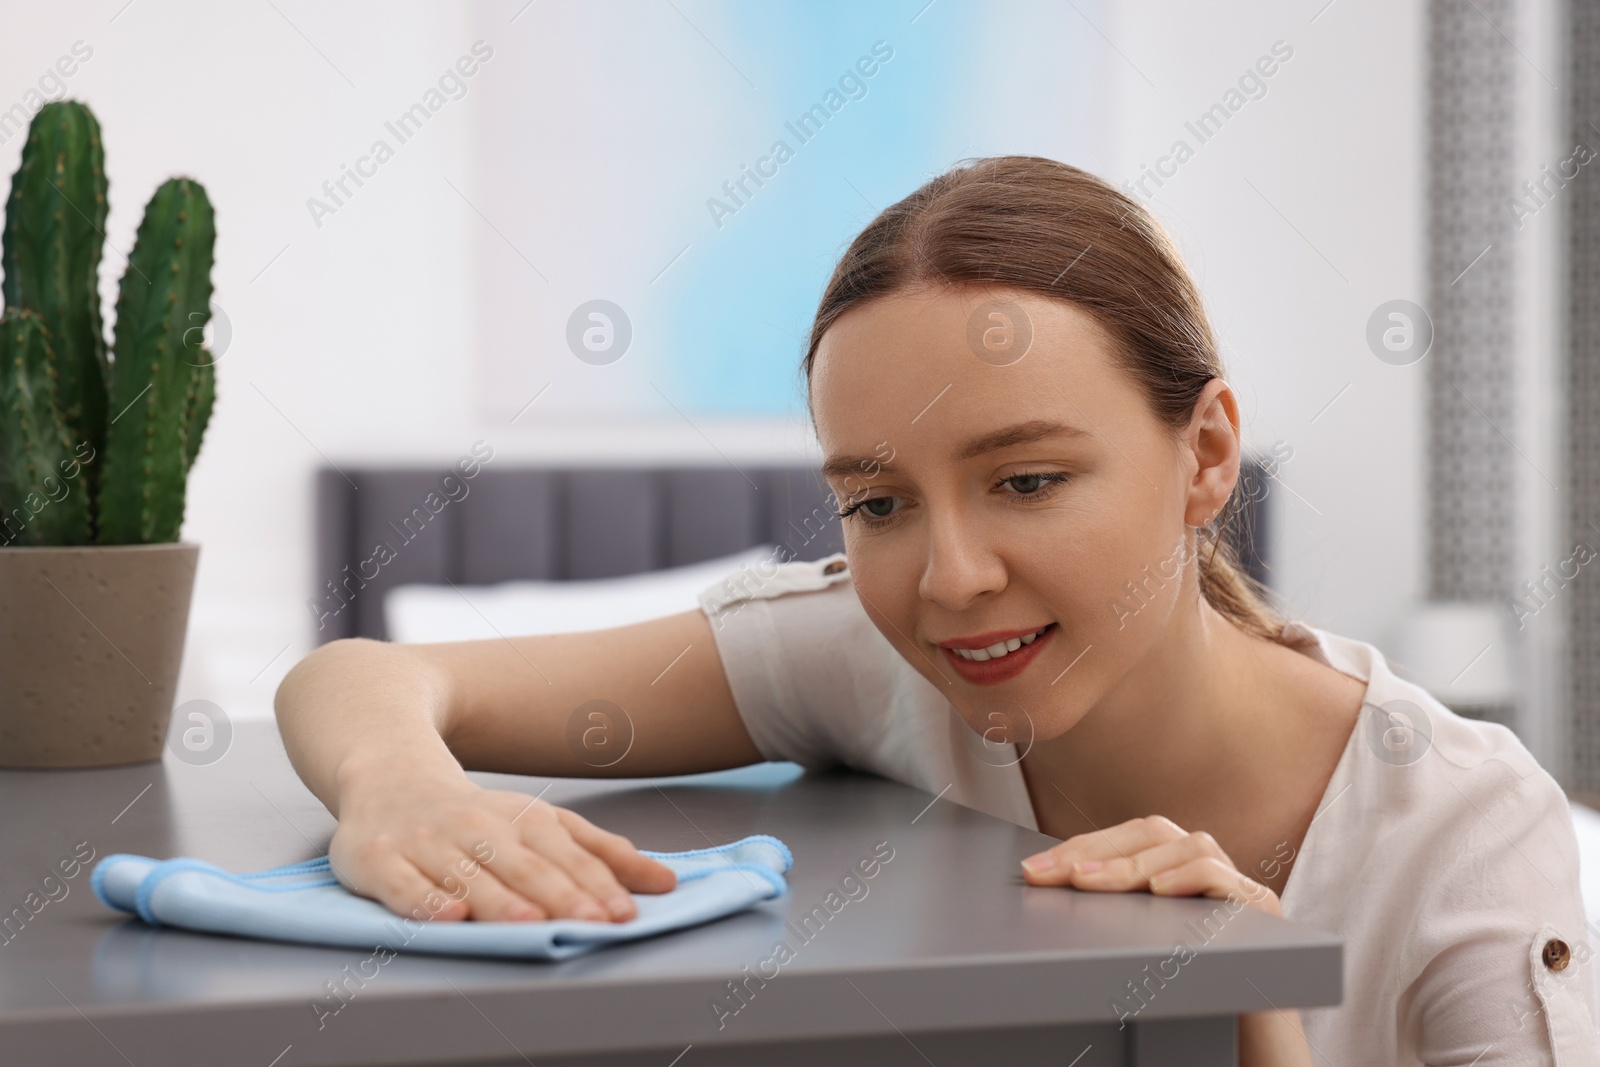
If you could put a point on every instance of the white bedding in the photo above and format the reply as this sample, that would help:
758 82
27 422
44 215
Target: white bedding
429 613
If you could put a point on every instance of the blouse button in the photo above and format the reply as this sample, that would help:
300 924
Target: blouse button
1556 954
835 567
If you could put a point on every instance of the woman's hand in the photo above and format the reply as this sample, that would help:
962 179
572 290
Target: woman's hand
442 847
1156 854
1152 853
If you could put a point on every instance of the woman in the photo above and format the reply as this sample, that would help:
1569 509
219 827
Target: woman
1024 418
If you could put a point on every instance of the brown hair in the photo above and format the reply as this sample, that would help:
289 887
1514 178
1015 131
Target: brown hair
1036 224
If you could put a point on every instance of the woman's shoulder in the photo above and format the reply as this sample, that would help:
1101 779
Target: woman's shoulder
1403 726
1445 854
813 677
773 577
804 619
1463 801
818 683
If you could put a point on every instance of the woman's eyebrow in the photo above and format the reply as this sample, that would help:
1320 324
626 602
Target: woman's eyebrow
1021 434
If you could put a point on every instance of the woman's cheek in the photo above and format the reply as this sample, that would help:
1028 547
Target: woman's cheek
887 600
1147 589
1110 592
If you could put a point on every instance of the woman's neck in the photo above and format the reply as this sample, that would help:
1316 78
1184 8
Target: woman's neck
1215 729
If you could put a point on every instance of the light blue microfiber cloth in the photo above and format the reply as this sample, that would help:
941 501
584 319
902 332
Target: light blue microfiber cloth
305 902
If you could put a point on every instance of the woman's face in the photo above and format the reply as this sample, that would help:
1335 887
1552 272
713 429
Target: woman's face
994 498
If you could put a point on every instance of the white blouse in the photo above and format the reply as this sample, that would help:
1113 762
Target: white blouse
1442 853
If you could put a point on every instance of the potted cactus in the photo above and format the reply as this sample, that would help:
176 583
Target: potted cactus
95 451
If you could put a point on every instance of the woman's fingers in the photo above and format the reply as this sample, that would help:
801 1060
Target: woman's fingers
1152 853
602 865
1054 866
482 859
397 884
469 853
421 889
481 895
537 868
504 882
1208 876
1134 870
633 868
453 850
587 871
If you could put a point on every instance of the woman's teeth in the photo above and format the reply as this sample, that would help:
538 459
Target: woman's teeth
999 648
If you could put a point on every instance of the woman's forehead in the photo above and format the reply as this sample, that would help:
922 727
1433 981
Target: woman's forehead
970 328
911 359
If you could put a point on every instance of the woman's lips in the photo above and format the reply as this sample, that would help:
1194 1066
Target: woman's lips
995 671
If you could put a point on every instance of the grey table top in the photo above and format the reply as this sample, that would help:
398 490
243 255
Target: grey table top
947 935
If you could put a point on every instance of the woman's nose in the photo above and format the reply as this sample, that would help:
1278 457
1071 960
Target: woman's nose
961 564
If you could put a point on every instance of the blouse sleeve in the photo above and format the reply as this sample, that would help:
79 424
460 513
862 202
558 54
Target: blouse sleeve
782 630
1511 974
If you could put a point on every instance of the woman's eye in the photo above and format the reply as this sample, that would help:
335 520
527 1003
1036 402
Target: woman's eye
1036 484
1026 483
872 511
880 510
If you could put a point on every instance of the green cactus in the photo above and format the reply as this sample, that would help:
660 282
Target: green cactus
122 432
160 368
197 410
50 508
50 254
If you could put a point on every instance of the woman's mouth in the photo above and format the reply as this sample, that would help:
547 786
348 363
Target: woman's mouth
1000 661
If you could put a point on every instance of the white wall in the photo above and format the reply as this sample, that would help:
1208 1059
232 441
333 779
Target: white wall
1299 217
1543 139
352 340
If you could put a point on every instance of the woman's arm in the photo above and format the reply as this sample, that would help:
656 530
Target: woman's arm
383 734
504 704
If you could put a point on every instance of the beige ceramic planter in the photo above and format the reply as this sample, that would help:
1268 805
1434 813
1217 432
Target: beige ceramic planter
91 639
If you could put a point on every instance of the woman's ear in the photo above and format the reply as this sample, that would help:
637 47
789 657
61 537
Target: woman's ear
1212 438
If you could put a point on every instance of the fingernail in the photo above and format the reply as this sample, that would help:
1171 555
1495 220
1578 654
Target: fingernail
589 910
620 905
1086 866
1042 862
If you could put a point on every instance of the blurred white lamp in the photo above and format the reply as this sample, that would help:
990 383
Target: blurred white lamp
1459 651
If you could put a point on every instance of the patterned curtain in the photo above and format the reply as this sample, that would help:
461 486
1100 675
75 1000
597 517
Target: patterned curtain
1470 265
1583 395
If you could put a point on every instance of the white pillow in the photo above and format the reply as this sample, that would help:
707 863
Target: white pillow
426 613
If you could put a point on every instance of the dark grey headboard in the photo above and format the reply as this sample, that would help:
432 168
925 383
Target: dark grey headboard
547 523
562 523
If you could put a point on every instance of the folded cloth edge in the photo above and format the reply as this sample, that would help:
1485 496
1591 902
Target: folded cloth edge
695 853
